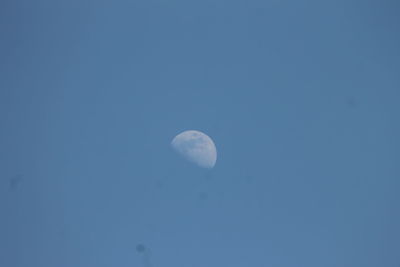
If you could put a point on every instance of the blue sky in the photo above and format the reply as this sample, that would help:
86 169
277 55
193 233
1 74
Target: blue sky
300 97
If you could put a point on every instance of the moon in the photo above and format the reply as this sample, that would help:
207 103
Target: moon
196 147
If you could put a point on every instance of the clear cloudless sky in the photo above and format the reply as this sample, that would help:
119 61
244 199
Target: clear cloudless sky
300 97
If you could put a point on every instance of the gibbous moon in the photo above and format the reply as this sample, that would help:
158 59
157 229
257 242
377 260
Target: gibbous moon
196 147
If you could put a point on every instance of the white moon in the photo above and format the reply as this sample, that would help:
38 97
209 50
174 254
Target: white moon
196 147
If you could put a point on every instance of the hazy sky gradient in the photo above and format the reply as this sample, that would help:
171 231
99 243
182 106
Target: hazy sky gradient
300 97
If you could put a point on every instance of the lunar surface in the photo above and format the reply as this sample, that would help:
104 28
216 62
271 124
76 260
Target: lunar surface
196 147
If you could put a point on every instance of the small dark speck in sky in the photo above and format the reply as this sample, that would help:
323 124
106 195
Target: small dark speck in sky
140 248
351 102
15 181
